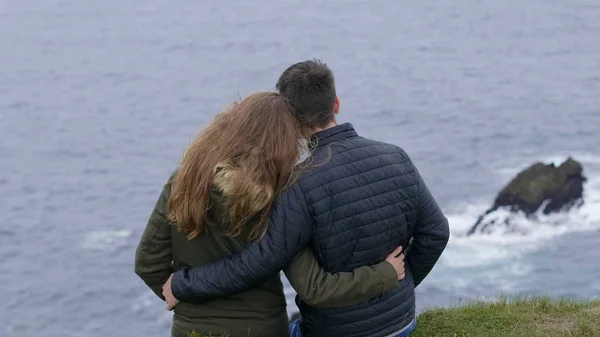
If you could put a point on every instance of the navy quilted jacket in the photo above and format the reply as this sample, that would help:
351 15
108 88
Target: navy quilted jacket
360 200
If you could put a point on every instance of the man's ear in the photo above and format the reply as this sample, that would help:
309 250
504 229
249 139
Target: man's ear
336 105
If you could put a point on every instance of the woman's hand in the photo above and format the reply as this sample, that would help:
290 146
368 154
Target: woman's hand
397 261
168 294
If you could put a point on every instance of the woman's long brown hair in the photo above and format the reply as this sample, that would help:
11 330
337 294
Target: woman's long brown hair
248 152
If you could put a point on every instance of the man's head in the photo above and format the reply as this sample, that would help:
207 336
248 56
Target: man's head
309 88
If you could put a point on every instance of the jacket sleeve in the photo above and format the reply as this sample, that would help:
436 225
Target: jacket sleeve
288 232
153 255
318 288
430 235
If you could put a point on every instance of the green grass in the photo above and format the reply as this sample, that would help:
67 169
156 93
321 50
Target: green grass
521 317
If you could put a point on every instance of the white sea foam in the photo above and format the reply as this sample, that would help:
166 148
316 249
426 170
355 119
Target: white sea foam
501 258
105 240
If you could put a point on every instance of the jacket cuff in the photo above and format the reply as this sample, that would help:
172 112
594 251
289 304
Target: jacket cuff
176 285
388 275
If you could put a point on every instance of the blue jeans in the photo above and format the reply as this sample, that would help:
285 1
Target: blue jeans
408 330
295 328
296 332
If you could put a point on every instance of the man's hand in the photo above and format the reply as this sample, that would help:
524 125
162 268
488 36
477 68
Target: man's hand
171 300
395 259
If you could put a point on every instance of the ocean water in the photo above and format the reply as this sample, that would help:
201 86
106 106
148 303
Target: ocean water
99 98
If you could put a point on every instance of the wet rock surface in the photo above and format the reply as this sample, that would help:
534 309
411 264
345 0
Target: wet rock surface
541 188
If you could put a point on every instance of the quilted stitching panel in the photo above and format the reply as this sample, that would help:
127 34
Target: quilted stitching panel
363 201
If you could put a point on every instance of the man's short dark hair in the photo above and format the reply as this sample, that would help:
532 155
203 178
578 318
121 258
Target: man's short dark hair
309 87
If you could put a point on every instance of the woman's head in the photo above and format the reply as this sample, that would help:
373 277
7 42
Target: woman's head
248 152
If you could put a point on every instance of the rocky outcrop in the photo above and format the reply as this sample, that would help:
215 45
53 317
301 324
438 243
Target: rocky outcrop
539 188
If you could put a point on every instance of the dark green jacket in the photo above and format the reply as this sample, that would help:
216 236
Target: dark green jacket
260 311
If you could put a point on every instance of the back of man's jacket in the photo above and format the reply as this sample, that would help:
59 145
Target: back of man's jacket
359 200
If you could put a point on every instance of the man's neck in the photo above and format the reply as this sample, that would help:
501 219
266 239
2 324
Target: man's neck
329 126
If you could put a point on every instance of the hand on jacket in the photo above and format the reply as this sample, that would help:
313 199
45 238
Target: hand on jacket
168 294
397 261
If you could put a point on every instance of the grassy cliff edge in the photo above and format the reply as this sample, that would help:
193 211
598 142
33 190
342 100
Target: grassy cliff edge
521 317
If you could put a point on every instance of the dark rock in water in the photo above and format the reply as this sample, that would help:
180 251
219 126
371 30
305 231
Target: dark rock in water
541 187
294 316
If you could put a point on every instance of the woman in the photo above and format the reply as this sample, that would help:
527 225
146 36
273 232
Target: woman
218 200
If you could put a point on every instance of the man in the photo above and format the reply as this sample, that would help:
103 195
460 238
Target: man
355 202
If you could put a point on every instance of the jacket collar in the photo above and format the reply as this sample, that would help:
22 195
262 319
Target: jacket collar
335 133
